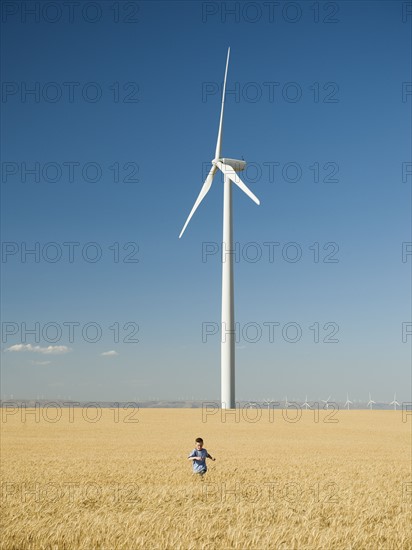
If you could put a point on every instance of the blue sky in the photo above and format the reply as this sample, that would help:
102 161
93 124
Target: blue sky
118 134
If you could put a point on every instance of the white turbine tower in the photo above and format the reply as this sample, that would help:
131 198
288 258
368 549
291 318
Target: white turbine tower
228 167
306 404
371 402
286 402
394 402
348 402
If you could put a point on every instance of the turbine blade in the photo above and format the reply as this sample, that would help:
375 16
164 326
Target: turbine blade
231 174
219 135
205 188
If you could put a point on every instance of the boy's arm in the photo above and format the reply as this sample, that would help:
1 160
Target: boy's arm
210 456
193 456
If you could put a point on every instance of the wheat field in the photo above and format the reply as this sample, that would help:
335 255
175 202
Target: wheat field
120 479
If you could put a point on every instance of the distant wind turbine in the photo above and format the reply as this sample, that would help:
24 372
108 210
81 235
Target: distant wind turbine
371 402
306 404
326 406
394 402
268 402
348 402
229 167
286 402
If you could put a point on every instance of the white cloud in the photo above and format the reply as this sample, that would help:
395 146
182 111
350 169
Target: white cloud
50 350
110 353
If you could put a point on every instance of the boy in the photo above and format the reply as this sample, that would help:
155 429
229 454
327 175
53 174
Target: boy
199 455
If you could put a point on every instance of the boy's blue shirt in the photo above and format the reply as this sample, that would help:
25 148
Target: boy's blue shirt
199 465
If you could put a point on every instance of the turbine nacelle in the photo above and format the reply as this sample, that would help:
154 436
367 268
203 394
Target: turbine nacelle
237 165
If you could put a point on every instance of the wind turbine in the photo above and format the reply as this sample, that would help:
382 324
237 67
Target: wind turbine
306 404
269 402
228 167
348 402
326 406
394 402
371 402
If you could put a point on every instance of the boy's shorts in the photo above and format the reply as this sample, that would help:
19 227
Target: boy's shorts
201 472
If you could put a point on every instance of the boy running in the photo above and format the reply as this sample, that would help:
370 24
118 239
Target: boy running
198 456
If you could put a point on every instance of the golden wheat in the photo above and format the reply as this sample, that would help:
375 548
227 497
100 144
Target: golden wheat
124 481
